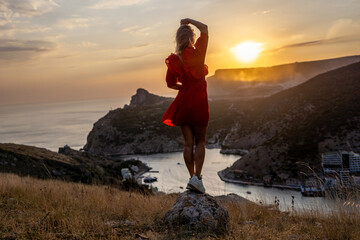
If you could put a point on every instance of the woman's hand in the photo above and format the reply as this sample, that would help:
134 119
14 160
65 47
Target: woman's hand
185 21
202 27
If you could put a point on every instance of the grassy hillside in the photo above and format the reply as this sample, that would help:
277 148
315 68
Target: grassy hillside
52 209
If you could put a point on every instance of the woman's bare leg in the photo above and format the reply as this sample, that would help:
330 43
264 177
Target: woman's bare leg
199 155
188 148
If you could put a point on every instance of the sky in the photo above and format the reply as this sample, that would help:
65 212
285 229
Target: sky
64 50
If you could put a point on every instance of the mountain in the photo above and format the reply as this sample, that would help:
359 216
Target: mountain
249 83
322 114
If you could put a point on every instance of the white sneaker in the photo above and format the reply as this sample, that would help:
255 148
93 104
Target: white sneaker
196 184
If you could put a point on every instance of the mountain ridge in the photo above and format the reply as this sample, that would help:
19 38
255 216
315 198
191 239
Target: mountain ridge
250 83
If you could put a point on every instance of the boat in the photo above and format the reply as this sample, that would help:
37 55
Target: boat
149 179
311 188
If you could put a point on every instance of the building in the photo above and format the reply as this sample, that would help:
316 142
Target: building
340 167
340 161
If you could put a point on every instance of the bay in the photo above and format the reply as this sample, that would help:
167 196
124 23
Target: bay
173 177
52 125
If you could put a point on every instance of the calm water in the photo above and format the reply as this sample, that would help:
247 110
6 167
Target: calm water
55 124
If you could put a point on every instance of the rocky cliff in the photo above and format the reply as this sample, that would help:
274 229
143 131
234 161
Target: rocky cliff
135 128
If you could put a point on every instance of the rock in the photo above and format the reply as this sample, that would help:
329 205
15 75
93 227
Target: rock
64 150
240 152
198 212
143 97
232 198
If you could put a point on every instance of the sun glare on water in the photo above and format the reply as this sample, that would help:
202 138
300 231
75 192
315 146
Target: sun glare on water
247 51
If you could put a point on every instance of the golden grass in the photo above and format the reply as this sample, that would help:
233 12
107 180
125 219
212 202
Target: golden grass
51 209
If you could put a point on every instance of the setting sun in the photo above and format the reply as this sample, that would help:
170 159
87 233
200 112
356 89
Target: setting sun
247 51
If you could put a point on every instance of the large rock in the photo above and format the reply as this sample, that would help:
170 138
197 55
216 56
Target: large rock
143 97
199 212
135 129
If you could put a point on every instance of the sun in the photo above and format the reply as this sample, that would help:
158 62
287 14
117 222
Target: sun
247 51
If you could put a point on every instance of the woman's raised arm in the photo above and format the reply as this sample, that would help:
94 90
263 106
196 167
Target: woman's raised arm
202 27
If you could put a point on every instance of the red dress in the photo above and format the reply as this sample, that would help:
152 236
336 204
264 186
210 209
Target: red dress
191 103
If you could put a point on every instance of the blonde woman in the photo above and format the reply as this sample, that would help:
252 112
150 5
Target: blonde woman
190 110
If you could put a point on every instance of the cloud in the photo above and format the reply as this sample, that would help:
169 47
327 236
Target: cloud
111 4
74 23
137 46
12 13
343 27
24 8
342 39
87 44
9 30
21 50
137 30
132 57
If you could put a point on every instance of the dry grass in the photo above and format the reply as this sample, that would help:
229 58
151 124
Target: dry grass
50 209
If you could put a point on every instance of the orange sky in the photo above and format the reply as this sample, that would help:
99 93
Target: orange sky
58 50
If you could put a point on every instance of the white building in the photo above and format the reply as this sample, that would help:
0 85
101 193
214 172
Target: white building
339 161
125 173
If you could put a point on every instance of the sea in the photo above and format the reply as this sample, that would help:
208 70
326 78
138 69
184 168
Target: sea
53 125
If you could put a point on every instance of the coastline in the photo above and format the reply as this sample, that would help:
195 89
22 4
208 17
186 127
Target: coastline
225 179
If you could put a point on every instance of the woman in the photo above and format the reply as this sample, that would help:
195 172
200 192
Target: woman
190 110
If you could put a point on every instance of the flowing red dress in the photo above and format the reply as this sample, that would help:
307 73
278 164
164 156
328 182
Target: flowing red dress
190 107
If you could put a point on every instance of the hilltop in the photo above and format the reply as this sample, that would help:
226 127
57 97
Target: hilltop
250 83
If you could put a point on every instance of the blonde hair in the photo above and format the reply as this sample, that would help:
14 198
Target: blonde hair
183 35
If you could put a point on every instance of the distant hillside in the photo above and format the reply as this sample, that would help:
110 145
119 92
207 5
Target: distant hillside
248 83
322 114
